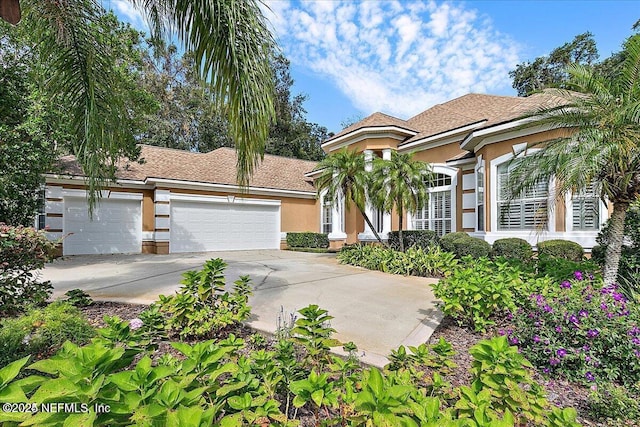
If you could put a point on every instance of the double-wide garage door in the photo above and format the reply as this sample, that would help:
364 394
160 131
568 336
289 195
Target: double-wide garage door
116 226
205 226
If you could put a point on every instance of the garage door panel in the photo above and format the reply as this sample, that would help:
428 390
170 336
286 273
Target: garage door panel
116 227
202 226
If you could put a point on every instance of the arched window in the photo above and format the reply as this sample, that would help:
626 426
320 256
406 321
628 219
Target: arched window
439 213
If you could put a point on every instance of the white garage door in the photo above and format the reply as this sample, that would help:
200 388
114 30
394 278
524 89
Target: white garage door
116 227
204 226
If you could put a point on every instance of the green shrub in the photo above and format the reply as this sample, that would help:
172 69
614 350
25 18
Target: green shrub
41 331
307 240
558 269
78 298
418 238
565 249
461 244
582 330
482 289
203 306
22 251
512 248
613 402
447 241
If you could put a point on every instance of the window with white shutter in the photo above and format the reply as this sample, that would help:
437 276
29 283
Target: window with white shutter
528 211
586 210
327 216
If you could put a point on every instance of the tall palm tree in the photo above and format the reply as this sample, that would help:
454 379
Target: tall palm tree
231 43
601 145
401 182
344 177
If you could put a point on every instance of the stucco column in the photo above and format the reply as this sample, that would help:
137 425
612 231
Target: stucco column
386 218
368 166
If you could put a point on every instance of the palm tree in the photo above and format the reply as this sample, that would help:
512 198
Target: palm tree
401 182
231 43
344 177
601 145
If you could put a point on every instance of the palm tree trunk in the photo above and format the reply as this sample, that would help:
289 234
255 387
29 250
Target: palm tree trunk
373 229
615 238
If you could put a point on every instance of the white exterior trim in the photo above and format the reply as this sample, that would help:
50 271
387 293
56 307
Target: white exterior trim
586 239
503 134
440 139
222 200
367 133
106 194
232 188
75 180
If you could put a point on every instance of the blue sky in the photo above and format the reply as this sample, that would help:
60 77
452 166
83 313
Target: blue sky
353 58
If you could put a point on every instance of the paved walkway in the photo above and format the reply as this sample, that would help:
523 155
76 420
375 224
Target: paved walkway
375 310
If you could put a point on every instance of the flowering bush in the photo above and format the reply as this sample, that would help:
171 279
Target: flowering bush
582 329
22 250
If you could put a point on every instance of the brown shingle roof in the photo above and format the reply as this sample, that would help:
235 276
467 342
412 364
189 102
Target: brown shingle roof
374 120
216 167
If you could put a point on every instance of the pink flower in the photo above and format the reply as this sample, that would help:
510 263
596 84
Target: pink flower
135 324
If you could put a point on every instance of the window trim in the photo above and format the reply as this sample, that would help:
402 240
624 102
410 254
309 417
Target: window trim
453 173
480 166
323 206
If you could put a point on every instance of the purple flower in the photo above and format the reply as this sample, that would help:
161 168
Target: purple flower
587 359
536 339
583 313
573 318
548 308
501 332
135 324
589 376
553 361
636 341
603 306
586 347
565 284
561 352
592 333
509 316
618 296
546 370
558 329
577 275
513 341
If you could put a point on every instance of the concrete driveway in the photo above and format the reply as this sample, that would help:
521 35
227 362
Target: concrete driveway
375 310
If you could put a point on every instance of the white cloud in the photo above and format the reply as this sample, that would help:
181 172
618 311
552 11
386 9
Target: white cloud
392 56
126 10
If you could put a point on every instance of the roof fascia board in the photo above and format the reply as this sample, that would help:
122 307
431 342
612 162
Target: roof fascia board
440 139
368 132
516 133
51 178
174 183
478 134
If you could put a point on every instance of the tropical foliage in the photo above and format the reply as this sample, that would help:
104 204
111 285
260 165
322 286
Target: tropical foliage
598 145
401 183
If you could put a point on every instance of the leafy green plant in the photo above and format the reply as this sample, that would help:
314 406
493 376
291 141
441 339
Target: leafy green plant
614 402
313 332
41 331
565 249
317 390
461 244
22 251
482 289
202 306
413 238
558 269
78 298
307 240
512 248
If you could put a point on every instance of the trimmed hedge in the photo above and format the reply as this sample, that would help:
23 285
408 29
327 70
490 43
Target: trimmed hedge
512 248
448 240
307 240
565 249
418 238
461 244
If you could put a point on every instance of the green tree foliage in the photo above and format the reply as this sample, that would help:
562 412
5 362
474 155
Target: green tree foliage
401 183
600 148
550 71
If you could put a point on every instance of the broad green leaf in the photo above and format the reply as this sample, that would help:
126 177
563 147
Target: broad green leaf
9 372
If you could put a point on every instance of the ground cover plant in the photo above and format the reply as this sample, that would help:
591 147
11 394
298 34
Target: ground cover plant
307 240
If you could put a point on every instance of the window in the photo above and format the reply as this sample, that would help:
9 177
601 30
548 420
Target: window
586 210
41 216
377 218
527 212
480 199
437 215
327 214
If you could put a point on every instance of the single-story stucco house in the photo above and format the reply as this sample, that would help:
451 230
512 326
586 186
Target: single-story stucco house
179 201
